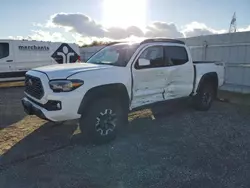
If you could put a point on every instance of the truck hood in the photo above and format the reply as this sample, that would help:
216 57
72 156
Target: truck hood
63 71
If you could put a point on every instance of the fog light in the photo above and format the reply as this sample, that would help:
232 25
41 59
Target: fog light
53 105
58 105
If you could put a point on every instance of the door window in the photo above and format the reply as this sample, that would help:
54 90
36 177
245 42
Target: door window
154 55
4 50
175 55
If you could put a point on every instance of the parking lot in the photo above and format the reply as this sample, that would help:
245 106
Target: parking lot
168 146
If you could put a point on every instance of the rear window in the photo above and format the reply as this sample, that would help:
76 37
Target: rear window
175 55
4 50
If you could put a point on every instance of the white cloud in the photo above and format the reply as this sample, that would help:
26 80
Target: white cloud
48 24
121 33
42 36
86 26
83 29
78 23
197 29
244 29
163 29
79 39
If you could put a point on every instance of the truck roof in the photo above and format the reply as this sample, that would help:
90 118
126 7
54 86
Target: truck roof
150 40
162 40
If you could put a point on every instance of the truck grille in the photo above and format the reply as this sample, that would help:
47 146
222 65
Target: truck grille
33 86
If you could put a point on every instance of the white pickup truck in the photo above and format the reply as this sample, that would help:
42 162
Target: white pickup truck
117 79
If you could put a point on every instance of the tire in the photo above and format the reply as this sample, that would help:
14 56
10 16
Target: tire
102 121
204 97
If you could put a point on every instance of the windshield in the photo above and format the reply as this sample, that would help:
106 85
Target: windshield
118 55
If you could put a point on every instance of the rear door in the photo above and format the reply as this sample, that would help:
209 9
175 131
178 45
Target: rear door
180 74
149 81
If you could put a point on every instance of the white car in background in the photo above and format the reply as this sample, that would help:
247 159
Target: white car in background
19 56
119 78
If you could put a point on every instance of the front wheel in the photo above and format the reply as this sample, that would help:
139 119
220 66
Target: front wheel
204 97
102 121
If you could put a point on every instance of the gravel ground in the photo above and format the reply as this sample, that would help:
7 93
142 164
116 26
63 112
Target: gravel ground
168 146
11 110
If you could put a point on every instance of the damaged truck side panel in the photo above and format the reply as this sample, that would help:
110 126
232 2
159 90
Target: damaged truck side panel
172 79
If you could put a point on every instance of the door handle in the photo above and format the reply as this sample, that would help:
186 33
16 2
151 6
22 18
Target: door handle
9 61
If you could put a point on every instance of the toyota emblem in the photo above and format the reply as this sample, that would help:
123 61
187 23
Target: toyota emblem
30 82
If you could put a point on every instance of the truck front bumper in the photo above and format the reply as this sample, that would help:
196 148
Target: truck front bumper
48 110
30 109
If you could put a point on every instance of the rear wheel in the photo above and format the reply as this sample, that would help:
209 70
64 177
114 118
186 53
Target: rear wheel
204 97
102 121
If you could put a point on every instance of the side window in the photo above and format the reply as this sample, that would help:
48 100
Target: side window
4 50
175 55
154 55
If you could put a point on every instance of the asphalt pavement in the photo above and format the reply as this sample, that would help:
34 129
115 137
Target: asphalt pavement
168 146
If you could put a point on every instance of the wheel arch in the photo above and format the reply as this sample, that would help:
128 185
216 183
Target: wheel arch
115 90
209 77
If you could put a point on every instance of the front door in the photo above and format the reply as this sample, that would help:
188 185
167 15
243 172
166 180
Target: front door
149 81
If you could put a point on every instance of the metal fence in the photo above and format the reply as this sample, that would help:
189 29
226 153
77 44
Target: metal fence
233 49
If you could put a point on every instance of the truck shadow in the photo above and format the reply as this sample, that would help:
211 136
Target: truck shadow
51 137
11 110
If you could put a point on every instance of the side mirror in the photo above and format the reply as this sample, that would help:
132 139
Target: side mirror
143 62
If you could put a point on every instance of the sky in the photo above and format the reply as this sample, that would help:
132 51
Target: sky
86 20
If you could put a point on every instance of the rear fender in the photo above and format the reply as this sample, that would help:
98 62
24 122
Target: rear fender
208 77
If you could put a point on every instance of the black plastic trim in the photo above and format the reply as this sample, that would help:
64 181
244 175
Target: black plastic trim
162 40
45 106
32 110
194 81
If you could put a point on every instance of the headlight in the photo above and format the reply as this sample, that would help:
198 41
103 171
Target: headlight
65 85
